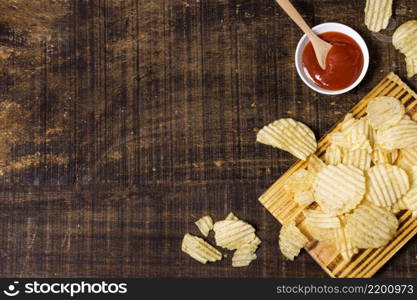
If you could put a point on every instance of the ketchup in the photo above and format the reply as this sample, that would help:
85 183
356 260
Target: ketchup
344 62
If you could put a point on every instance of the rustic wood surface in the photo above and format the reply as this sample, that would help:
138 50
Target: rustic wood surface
122 122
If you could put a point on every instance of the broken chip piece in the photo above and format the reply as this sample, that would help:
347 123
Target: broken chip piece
199 249
204 224
291 240
231 234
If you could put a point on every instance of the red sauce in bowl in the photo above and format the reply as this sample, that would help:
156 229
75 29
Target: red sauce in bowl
344 62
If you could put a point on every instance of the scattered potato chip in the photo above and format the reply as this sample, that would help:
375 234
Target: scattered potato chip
244 255
359 158
289 135
301 180
204 224
405 37
399 136
232 217
291 240
315 164
384 112
231 234
411 64
339 189
320 219
371 226
199 249
344 244
333 155
407 158
386 184
304 198
377 14
382 156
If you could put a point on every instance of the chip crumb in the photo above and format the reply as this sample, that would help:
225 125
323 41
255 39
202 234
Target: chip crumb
204 224
218 163
231 216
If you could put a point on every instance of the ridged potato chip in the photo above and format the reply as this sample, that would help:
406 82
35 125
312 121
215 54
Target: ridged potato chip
382 156
405 38
360 158
304 198
301 180
333 155
353 135
291 240
399 136
289 135
384 112
339 189
377 14
199 249
244 255
357 127
411 64
407 158
315 164
204 224
386 184
320 219
231 234
370 226
344 244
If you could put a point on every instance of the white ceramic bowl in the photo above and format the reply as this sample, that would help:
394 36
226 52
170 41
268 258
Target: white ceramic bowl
322 28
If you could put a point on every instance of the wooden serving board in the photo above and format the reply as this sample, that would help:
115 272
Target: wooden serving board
367 262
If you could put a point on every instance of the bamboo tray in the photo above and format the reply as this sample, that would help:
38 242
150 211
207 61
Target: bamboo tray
368 261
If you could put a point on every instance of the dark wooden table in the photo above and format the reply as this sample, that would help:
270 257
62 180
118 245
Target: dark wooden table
122 122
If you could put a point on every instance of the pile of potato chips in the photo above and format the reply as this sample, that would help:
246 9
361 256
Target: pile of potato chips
368 173
230 233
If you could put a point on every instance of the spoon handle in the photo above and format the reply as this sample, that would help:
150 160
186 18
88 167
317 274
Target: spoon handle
297 18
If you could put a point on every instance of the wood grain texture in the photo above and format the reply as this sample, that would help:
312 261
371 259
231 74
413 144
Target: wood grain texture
141 117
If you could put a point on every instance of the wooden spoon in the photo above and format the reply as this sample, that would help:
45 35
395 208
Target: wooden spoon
321 47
